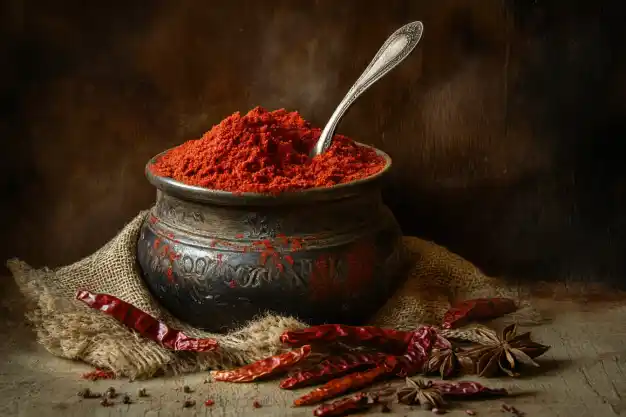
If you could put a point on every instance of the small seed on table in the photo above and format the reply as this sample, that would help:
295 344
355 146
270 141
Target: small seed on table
438 411
256 404
110 393
470 412
187 390
189 403
106 402
126 399
142 393
209 403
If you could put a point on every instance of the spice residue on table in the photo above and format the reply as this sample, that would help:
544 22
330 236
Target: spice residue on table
266 152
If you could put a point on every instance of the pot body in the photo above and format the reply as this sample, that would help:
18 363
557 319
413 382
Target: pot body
216 267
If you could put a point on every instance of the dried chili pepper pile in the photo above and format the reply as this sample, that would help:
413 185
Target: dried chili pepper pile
365 355
266 152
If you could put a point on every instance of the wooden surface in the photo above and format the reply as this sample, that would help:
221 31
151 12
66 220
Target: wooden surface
583 375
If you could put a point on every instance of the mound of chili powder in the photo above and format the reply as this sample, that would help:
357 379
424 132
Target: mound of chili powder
266 152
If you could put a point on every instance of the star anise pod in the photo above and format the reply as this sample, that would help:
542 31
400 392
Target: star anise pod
505 353
443 361
420 392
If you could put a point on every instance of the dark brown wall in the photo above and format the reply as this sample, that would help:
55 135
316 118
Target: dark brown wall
505 125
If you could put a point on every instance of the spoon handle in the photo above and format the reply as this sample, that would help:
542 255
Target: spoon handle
399 45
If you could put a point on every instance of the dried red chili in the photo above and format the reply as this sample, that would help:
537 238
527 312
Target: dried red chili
266 152
331 368
478 309
343 385
264 368
418 350
352 404
145 324
389 339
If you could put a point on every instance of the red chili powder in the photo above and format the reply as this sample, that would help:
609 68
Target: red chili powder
266 152
98 374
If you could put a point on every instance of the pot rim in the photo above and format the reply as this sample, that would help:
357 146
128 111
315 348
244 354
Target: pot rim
228 198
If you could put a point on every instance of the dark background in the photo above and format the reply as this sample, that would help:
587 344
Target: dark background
506 124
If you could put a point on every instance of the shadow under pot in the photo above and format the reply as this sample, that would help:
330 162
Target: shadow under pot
216 259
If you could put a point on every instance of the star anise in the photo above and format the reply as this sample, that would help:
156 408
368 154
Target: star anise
505 353
443 361
420 392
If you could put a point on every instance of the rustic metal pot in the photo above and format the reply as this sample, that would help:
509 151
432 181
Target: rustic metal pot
216 259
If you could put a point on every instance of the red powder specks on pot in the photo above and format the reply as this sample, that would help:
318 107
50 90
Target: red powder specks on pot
266 152
322 284
360 259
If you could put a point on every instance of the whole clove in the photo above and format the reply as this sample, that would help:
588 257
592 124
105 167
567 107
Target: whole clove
110 393
126 399
189 403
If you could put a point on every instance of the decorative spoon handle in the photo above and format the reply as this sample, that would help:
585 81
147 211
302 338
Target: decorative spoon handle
399 45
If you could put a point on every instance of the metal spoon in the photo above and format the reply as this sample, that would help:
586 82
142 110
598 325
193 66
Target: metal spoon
399 45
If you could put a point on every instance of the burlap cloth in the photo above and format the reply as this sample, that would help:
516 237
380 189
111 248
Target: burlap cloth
69 329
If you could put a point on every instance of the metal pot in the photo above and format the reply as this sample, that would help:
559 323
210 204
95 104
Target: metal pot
216 259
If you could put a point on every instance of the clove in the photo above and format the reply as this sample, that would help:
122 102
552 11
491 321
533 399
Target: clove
110 393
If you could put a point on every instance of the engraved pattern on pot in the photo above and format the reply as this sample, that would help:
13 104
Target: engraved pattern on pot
197 272
261 226
155 256
168 210
194 272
